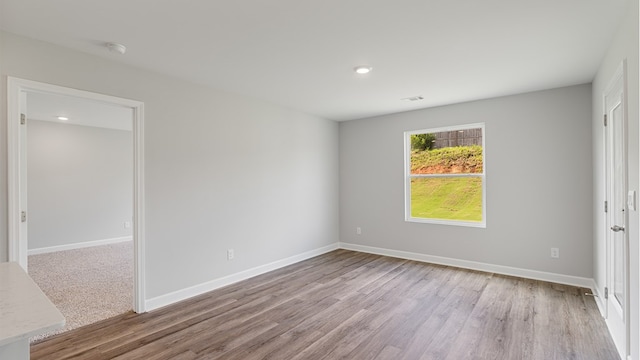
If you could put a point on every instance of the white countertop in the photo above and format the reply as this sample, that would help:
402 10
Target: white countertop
25 311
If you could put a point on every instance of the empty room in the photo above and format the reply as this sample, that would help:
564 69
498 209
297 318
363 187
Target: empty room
326 180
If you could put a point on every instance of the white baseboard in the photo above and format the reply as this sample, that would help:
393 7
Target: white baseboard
78 245
183 294
170 298
465 264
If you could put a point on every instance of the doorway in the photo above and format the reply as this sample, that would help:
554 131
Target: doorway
18 89
616 210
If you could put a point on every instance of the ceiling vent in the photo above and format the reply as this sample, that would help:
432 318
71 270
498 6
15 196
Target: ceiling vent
413 98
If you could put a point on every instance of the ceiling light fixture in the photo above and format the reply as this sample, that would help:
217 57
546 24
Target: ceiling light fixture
63 118
362 69
116 48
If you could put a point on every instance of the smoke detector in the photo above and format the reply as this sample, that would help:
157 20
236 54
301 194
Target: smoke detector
116 48
413 98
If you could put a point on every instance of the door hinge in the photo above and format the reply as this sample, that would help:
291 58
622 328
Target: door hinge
606 206
606 292
605 119
23 216
23 119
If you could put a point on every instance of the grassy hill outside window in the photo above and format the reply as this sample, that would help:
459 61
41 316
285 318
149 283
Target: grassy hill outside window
445 175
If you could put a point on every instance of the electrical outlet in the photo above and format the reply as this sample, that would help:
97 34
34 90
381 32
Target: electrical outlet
358 231
230 254
127 224
555 253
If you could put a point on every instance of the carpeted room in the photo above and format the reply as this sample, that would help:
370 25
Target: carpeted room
80 203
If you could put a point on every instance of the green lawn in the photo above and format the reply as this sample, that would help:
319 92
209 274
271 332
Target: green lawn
458 198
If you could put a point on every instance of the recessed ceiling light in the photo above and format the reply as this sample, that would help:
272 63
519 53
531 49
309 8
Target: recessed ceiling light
63 118
362 69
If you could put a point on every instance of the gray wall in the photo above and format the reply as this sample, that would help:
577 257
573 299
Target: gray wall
538 173
222 171
623 46
80 183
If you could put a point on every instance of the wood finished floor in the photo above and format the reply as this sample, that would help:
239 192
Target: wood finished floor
349 305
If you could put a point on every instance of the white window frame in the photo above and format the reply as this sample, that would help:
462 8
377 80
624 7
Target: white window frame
408 176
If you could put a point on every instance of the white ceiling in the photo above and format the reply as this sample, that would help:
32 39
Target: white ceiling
300 53
47 107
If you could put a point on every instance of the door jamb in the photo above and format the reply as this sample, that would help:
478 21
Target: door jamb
18 249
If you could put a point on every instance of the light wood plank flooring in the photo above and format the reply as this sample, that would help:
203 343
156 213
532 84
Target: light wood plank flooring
349 305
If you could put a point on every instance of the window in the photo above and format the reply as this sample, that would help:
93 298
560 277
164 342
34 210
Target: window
445 175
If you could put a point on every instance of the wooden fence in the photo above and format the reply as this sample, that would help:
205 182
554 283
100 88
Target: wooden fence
458 138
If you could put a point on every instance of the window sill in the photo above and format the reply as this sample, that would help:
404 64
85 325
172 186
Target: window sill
476 224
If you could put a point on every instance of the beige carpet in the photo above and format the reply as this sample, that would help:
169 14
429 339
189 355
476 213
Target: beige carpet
87 285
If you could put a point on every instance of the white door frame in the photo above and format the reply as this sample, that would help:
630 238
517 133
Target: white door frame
619 79
17 242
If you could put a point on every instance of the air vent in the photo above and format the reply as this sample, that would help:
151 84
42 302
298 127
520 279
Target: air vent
413 98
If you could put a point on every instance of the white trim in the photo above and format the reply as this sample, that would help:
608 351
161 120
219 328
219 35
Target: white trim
173 297
139 227
80 245
447 128
473 265
476 224
17 248
17 252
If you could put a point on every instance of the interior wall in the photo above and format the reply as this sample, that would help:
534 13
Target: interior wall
80 183
222 170
538 190
623 46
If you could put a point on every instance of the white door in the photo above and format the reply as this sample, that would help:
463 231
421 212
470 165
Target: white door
616 216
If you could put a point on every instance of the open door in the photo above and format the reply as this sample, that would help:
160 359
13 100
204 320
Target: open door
17 156
23 181
616 291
